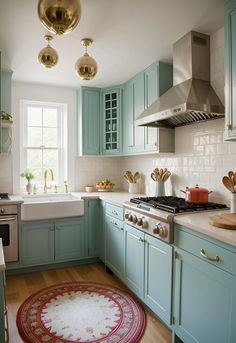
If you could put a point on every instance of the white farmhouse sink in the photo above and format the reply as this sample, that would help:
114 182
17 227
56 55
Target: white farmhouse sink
51 206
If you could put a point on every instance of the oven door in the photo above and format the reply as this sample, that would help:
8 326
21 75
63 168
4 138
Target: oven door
8 233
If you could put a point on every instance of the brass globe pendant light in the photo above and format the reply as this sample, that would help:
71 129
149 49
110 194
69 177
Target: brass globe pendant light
59 16
86 67
48 56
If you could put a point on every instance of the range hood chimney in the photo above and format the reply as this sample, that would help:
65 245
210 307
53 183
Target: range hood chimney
191 99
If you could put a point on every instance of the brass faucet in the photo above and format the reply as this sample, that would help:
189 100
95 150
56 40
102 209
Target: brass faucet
46 187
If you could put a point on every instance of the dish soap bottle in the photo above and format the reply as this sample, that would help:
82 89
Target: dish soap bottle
34 189
66 186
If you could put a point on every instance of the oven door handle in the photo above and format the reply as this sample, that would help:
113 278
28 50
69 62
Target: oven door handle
7 219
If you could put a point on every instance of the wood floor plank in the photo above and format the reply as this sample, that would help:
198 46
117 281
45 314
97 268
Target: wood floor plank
19 287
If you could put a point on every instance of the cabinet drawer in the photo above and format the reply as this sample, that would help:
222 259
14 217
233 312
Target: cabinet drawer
115 222
114 211
199 247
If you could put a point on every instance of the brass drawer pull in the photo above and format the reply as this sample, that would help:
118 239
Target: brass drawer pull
114 212
115 223
210 258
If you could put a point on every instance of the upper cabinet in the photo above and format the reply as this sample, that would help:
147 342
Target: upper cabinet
88 125
230 69
158 79
106 117
133 105
111 121
5 125
139 93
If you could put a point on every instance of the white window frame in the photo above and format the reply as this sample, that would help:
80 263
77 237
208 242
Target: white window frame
62 138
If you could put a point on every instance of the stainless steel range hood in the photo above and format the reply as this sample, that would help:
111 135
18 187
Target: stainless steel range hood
192 98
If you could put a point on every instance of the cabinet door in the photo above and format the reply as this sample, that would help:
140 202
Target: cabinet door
70 239
128 117
37 243
89 121
93 220
205 301
158 277
230 69
101 231
115 245
158 79
138 109
111 122
2 308
133 95
134 260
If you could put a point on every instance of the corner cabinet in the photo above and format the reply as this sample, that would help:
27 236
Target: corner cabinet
230 69
111 119
88 122
204 290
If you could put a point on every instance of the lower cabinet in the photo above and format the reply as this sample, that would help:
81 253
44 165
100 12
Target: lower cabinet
204 306
114 250
158 277
53 241
134 260
148 270
4 334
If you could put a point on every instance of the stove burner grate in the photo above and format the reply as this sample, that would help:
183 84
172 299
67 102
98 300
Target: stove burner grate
4 196
176 205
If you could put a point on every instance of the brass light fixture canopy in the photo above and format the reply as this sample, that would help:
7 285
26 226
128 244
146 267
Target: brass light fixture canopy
48 56
59 16
86 66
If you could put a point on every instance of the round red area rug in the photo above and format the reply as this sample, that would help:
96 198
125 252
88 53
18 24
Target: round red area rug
80 312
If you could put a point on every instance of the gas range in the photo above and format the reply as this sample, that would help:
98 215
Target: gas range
155 215
4 196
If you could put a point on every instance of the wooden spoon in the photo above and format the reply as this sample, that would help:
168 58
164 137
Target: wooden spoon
228 183
136 176
166 176
234 179
230 174
153 176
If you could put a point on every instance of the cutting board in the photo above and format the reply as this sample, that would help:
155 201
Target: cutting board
224 221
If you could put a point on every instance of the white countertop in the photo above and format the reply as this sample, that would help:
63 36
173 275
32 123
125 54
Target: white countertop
199 222
2 261
117 198
194 221
14 200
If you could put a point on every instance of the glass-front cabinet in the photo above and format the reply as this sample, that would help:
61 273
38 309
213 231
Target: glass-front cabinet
111 121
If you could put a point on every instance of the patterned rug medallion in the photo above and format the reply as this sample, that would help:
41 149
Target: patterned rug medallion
80 312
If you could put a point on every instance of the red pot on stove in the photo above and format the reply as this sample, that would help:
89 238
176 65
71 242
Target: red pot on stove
196 195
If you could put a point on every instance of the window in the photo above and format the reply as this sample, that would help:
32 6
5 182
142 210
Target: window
44 141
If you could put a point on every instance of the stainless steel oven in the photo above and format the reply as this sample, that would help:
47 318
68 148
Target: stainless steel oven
9 231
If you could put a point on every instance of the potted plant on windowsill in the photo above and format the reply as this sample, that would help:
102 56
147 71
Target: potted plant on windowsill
6 118
29 176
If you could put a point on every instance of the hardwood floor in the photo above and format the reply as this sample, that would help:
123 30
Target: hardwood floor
21 286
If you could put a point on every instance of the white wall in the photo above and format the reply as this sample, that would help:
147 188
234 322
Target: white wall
36 92
6 173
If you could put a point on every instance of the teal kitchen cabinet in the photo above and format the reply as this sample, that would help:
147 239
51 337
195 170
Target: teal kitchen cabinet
5 105
158 277
70 240
4 333
111 121
101 231
37 242
134 260
88 122
204 290
133 105
114 252
230 69
94 225
44 242
158 79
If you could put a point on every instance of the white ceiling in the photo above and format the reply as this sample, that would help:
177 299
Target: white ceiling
128 36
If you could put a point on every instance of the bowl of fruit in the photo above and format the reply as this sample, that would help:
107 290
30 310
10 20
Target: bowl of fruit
105 185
